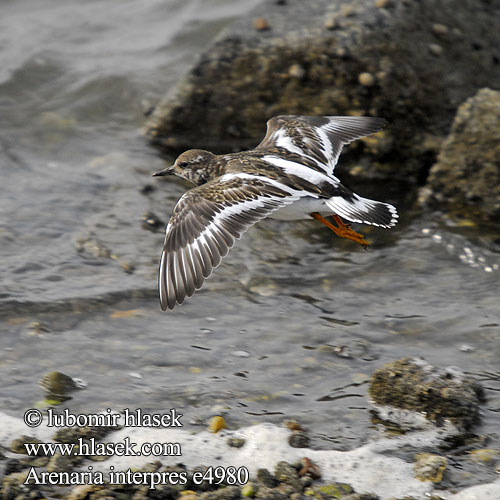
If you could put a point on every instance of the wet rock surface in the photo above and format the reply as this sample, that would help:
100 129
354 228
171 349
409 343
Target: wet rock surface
466 177
410 62
440 394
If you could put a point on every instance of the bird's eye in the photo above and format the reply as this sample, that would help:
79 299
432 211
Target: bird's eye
183 164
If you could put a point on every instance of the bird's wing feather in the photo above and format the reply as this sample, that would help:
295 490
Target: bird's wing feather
204 226
318 138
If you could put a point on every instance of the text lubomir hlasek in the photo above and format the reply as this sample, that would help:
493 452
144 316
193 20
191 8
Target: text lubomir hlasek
131 418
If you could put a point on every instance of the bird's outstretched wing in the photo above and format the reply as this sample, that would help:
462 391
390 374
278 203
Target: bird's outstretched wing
204 226
318 138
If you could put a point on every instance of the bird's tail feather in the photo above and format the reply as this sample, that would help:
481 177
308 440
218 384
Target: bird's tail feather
364 211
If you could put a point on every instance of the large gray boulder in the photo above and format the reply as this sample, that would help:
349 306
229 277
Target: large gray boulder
466 178
412 62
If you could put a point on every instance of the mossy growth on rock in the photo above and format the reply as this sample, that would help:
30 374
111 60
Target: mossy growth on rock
440 394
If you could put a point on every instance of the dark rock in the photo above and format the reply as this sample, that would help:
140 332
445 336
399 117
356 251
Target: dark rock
363 496
285 473
298 439
152 222
430 467
265 478
466 177
17 445
72 434
147 189
414 384
13 488
58 385
227 493
330 490
13 465
235 442
60 463
265 493
372 58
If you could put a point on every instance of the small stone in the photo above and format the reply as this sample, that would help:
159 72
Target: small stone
216 424
265 478
285 473
264 493
347 10
466 348
296 71
59 463
382 4
366 79
430 467
241 354
12 465
293 425
248 490
298 439
236 442
17 445
440 29
331 22
58 384
335 490
147 189
485 455
261 24
185 495
435 49
151 222
37 327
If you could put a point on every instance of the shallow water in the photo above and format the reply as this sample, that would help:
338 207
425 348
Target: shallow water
293 322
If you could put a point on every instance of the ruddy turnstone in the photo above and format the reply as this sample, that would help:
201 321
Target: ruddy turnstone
288 176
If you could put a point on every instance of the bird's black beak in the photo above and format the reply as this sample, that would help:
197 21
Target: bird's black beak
165 171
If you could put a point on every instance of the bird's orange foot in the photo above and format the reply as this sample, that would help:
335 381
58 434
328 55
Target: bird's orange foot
343 230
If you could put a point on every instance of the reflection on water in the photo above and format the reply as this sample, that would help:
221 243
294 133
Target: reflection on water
291 324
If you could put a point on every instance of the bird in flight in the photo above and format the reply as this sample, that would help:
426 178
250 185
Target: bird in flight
288 176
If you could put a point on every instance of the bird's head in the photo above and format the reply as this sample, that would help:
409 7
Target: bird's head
195 165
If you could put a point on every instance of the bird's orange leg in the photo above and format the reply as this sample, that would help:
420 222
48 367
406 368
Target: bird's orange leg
343 230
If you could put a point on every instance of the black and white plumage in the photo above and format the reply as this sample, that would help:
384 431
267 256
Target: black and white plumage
288 176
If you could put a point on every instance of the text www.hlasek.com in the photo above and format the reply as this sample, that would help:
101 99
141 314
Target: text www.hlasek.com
125 448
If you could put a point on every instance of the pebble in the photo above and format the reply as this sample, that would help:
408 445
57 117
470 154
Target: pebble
298 439
296 71
440 29
382 4
265 478
466 348
216 424
151 222
366 79
37 327
430 467
241 354
261 24
331 22
435 49
236 442
347 10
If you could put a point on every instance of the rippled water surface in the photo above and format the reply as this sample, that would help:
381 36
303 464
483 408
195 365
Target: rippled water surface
293 322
